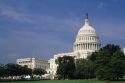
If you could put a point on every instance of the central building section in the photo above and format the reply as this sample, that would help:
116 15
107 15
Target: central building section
85 44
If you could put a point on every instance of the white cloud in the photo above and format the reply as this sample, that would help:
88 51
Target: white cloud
15 15
40 20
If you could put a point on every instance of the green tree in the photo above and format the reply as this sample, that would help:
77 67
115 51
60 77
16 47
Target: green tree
118 65
66 67
110 63
38 71
102 64
84 69
92 57
26 71
11 69
2 70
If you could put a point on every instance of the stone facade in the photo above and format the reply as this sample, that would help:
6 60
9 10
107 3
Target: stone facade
33 63
124 50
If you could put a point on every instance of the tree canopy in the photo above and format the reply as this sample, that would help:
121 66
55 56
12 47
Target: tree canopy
14 70
39 71
84 69
66 67
110 63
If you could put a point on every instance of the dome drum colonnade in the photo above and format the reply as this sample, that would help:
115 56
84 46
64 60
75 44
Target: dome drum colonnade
86 46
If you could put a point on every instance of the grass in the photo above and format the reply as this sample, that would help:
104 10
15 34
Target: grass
67 81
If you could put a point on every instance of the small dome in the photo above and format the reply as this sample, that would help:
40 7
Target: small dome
87 29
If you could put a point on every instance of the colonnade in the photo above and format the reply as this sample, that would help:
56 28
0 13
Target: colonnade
87 46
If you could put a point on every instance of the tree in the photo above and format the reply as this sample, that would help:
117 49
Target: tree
118 65
66 67
38 71
26 71
11 69
110 63
84 69
92 57
2 70
102 64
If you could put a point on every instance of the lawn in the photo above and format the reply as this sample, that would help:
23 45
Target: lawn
67 81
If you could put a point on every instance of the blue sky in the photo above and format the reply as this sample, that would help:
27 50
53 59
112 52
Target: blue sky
42 28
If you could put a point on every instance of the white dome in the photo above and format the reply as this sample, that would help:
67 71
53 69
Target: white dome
86 39
87 29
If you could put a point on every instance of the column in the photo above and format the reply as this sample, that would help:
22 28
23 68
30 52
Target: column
88 45
85 45
92 46
82 46
95 46
78 46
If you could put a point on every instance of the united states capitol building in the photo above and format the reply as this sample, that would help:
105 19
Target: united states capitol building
86 42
